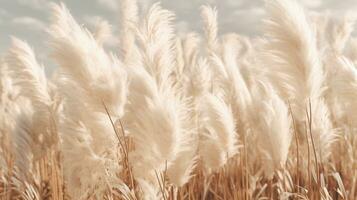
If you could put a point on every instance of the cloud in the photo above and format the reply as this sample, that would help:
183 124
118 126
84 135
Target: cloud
249 26
109 4
256 11
35 4
235 2
43 5
29 22
311 3
3 12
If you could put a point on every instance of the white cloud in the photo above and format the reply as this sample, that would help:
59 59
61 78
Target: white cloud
109 4
182 26
312 3
3 12
256 11
36 4
29 22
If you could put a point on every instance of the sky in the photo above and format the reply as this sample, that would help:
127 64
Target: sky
28 19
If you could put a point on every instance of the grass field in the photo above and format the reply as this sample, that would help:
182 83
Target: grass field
172 116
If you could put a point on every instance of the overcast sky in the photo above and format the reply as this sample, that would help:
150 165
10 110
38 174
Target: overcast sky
27 19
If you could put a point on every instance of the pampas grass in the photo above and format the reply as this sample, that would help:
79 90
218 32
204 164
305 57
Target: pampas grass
170 115
297 69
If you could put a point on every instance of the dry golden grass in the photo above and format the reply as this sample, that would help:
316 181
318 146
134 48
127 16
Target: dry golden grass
191 117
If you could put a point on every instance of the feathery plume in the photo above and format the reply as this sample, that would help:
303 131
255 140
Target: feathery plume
91 82
159 130
103 32
128 22
30 77
209 17
296 67
218 139
273 129
342 31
